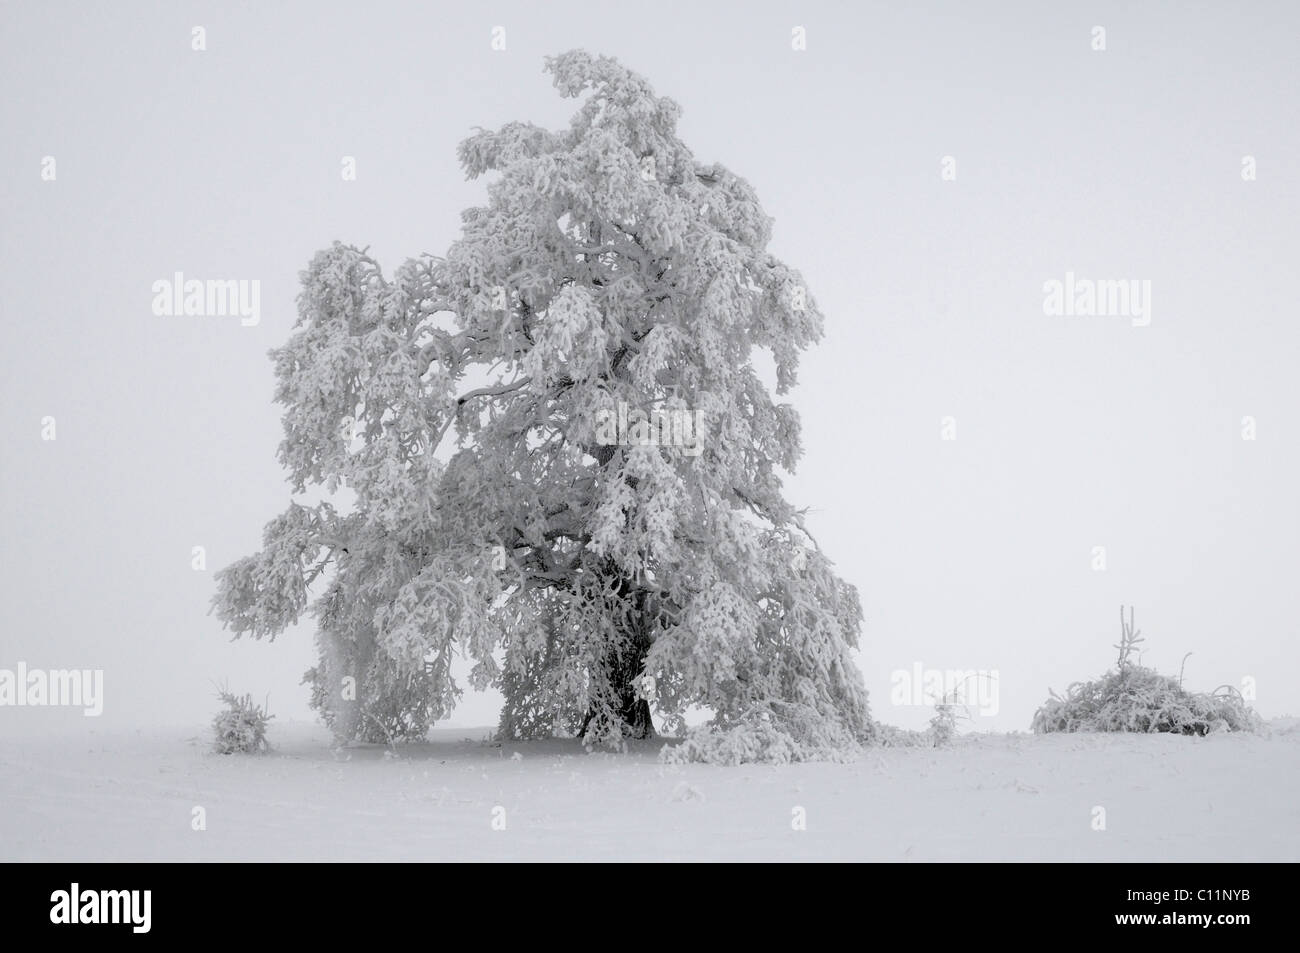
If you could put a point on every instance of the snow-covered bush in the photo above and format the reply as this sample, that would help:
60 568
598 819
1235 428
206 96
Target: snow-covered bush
939 733
1132 697
943 724
239 728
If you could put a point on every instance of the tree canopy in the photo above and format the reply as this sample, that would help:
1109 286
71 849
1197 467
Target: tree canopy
465 402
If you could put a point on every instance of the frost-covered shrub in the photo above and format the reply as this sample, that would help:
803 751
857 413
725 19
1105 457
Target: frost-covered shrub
1132 697
1135 698
943 726
240 728
940 732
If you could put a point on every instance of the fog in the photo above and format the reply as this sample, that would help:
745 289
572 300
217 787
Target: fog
931 171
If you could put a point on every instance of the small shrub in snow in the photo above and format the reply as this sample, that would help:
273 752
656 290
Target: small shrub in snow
239 728
1135 698
943 726
940 733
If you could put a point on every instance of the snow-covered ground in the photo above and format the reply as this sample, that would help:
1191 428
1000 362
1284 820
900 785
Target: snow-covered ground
132 796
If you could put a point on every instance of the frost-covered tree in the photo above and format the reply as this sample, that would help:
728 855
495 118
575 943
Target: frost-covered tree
474 405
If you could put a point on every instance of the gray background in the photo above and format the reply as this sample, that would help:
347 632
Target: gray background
1072 432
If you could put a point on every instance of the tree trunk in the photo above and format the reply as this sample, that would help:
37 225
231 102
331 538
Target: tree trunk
624 669
630 707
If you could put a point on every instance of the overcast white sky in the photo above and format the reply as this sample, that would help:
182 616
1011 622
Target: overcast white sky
976 553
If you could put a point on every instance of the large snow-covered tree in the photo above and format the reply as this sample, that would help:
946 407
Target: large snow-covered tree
466 404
